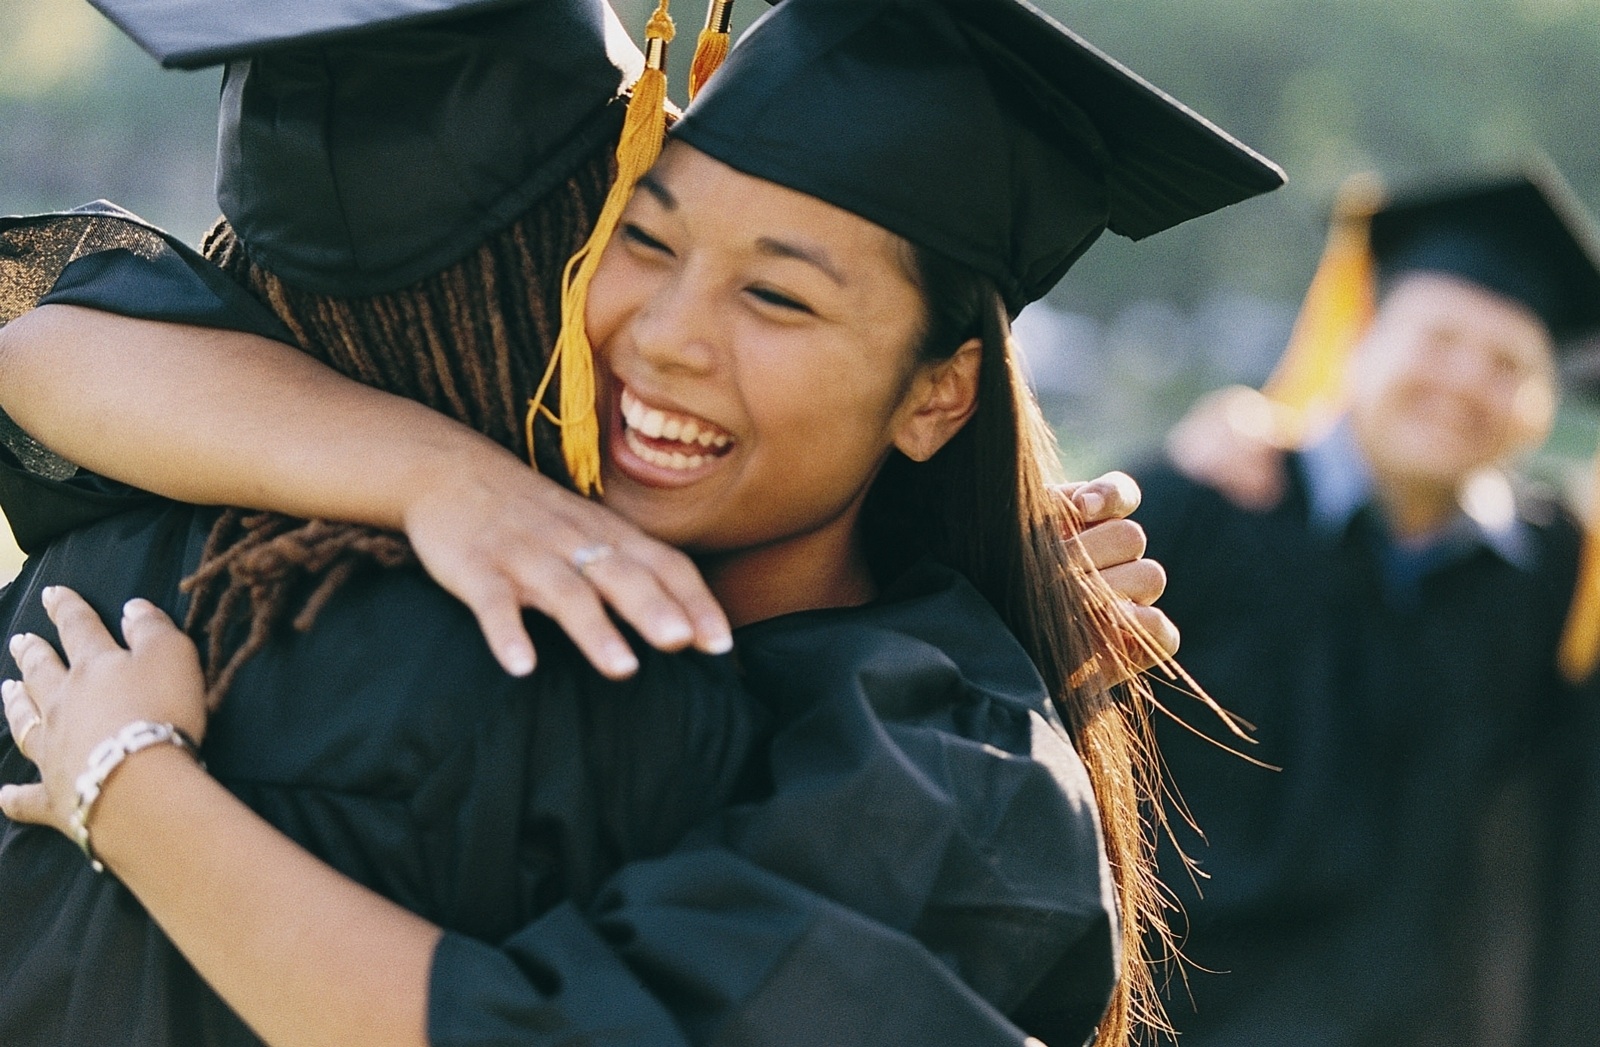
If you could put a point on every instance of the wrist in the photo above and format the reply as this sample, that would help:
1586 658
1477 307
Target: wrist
136 743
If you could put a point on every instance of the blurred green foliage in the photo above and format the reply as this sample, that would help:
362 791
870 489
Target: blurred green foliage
1411 88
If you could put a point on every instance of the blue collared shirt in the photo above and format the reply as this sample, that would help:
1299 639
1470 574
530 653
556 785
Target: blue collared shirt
1339 485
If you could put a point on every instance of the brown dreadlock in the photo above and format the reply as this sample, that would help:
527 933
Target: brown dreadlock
469 341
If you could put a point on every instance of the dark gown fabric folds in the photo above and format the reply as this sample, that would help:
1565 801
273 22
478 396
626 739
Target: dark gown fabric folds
865 827
1339 907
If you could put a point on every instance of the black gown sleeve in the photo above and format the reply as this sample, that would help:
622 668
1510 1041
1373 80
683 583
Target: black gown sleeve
925 862
101 257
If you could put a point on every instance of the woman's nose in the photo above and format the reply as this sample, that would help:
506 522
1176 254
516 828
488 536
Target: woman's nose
675 331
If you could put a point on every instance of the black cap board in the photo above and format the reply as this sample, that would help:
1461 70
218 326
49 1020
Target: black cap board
365 144
981 129
1522 235
354 161
191 34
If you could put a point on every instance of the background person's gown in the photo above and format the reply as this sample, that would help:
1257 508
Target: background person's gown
826 842
1341 906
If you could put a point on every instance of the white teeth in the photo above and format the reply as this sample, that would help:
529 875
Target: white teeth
654 423
663 459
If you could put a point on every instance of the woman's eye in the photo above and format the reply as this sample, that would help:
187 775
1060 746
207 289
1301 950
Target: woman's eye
638 236
781 301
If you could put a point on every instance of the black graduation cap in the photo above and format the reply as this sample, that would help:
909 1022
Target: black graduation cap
192 34
1520 234
365 144
979 128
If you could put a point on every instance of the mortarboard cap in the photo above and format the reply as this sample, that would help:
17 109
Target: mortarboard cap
981 129
192 34
364 144
1521 235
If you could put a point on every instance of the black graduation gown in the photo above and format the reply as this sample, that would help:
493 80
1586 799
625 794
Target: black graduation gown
1336 903
870 829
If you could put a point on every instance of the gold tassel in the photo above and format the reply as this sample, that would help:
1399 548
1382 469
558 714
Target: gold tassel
1309 378
712 47
643 130
1580 637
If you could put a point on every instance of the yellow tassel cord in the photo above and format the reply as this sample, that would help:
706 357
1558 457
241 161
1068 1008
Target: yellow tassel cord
1308 381
712 47
1580 638
643 130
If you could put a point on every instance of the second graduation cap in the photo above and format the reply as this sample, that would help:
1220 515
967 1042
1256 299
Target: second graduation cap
1521 235
981 129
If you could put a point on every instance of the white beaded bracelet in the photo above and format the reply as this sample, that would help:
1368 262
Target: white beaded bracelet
106 758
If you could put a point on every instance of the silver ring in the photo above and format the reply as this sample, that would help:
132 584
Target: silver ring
587 556
27 729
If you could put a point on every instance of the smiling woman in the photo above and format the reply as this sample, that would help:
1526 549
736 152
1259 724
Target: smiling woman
917 770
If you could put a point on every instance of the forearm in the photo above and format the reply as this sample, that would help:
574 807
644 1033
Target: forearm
222 417
304 955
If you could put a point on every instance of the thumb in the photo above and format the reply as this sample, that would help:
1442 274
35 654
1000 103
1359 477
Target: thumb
25 803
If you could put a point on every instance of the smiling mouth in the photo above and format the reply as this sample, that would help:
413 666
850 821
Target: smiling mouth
668 439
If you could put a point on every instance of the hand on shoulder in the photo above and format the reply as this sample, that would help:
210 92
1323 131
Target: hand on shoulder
1234 440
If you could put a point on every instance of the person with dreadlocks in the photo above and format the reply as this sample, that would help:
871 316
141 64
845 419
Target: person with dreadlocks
927 805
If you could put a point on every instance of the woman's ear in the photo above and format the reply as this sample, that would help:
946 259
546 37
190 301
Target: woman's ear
942 397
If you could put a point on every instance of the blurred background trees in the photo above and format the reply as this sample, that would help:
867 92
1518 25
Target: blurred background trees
1410 88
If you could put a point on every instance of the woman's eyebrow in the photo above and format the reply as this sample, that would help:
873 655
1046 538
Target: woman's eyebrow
815 256
663 195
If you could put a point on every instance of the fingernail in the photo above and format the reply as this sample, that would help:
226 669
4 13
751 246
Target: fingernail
674 631
719 643
621 660
138 607
15 643
1093 503
48 594
8 689
518 661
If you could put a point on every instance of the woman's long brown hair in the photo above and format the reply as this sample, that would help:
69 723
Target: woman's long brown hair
984 506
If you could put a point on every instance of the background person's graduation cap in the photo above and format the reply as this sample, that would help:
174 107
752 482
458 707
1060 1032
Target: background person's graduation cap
1521 235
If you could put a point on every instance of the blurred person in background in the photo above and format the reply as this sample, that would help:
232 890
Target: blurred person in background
1385 605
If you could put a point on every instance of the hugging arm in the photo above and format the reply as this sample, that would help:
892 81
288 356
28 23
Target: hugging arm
219 409
218 416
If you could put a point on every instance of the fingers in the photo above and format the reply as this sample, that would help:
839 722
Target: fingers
635 593
144 625
83 634
22 715
1109 497
25 803
41 666
493 603
563 594
1140 582
1106 545
661 579
1156 631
